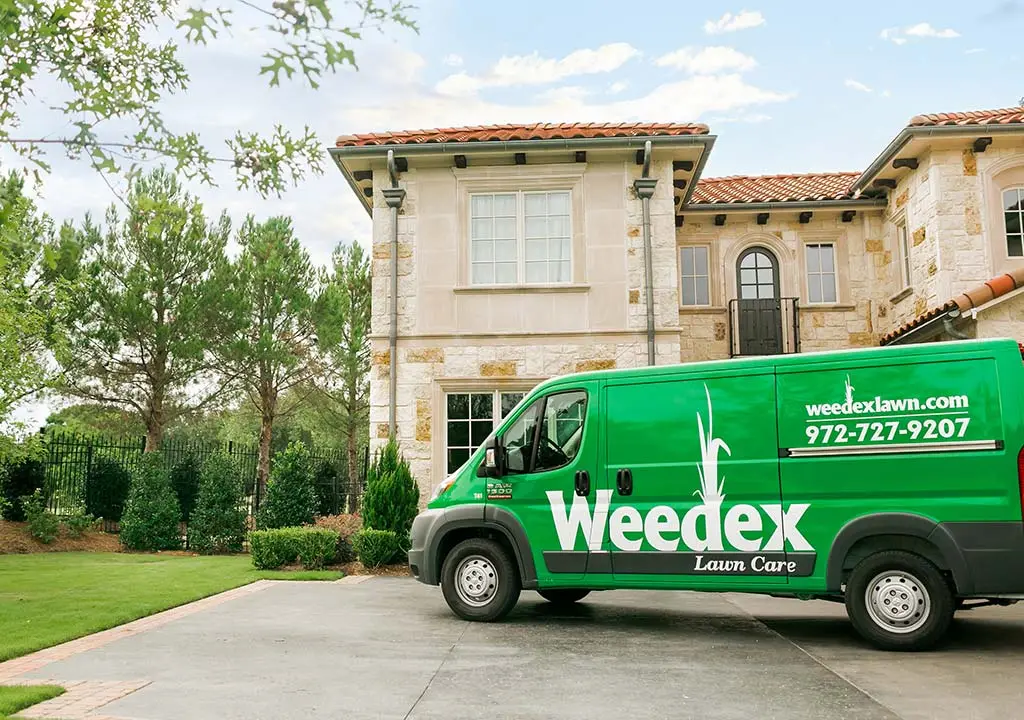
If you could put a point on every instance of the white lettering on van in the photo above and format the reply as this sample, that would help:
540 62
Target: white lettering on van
719 565
741 519
786 527
760 564
626 519
568 524
661 519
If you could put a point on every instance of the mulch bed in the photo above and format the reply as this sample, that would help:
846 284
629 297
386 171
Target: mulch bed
357 568
16 539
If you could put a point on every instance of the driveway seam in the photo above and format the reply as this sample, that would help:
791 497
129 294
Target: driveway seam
440 665
815 658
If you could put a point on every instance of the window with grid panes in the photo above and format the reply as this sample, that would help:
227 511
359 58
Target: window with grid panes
693 264
1013 219
469 419
520 237
821 273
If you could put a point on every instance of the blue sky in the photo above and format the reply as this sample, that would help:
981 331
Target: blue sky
792 86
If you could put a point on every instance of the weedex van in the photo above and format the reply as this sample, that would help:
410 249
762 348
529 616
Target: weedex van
890 479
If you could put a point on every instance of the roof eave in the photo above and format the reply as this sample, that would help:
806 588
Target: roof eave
727 207
909 133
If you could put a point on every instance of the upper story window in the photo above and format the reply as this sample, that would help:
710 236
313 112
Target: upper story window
1013 219
693 267
821 273
520 237
903 240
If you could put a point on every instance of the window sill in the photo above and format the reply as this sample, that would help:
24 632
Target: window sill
902 295
701 310
522 289
827 307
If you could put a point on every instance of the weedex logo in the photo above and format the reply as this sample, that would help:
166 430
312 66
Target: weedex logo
743 539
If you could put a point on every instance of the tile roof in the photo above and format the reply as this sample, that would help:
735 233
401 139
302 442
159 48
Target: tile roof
1003 116
774 188
536 131
974 298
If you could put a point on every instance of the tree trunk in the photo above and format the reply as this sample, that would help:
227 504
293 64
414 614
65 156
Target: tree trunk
263 469
154 424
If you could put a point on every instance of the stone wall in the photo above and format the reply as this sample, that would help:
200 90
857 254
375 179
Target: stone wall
1006 319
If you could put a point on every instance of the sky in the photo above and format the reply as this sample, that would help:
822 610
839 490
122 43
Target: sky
786 86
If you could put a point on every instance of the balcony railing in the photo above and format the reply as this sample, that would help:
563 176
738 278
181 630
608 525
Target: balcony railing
764 327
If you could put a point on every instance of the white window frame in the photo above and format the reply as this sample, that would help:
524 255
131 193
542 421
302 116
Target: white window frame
496 416
520 239
682 303
903 250
835 271
1002 214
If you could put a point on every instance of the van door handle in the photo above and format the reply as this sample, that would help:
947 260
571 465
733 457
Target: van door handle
624 481
582 483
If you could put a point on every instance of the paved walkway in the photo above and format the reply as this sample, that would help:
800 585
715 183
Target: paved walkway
389 648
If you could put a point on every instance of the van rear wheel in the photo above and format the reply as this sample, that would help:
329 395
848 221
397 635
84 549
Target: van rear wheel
899 601
563 597
480 580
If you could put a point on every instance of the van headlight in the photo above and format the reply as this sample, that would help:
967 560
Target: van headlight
443 487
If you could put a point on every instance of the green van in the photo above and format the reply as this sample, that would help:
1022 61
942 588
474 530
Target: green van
890 479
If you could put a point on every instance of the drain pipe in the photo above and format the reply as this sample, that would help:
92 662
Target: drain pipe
393 196
644 186
947 325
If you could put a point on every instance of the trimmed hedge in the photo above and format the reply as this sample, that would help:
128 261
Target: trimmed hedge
219 519
346 526
291 496
313 547
376 547
106 488
151 515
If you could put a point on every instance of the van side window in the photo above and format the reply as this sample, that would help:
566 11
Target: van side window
561 430
519 439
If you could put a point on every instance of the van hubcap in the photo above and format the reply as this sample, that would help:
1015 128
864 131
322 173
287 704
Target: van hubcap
897 601
476 580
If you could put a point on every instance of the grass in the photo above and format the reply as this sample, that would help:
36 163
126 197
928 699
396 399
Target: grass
15 699
50 598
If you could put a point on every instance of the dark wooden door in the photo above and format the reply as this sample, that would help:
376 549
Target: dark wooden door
759 307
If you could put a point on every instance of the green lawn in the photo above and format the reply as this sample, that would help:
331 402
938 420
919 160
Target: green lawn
49 598
15 699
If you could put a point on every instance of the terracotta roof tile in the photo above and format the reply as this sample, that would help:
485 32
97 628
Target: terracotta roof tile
973 298
537 131
774 188
1003 116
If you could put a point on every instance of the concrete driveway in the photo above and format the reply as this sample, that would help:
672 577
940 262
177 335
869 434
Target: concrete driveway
390 648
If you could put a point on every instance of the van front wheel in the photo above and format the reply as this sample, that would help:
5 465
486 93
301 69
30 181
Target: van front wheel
899 601
480 581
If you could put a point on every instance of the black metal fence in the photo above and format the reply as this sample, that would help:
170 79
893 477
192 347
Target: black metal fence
73 464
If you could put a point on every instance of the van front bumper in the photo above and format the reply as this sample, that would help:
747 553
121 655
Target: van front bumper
422 563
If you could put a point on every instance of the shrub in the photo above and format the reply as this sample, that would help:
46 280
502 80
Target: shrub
22 478
291 497
43 525
346 526
326 480
78 522
376 547
219 521
151 514
106 488
185 481
392 496
271 549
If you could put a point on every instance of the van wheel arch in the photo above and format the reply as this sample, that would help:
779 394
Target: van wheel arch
458 532
921 536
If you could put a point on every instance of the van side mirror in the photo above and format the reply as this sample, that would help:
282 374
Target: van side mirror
493 465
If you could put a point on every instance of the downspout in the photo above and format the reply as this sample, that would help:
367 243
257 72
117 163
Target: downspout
393 196
644 186
947 325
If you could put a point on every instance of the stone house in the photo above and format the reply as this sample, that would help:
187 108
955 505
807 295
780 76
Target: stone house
505 255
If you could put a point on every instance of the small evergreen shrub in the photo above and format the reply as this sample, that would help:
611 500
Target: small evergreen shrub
151 514
327 483
376 547
218 521
106 488
21 478
346 526
185 481
42 525
272 549
391 500
78 523
291 497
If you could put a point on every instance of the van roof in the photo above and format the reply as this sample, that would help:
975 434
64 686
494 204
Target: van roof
797 359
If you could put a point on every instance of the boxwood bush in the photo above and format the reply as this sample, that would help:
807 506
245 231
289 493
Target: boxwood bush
106 488
218 519
313 547
291 496
376 547
151 515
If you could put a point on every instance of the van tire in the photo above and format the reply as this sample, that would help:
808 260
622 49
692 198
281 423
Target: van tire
567 596
902 581
480 581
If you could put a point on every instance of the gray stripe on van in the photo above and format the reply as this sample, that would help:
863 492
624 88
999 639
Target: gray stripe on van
895 448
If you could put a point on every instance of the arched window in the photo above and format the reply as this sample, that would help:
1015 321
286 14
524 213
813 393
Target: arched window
757 274
1013 221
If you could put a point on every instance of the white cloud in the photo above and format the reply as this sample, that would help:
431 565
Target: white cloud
452 60
708 60
743 20
974 51
533 69
751 118
857 85
920 30
616 87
